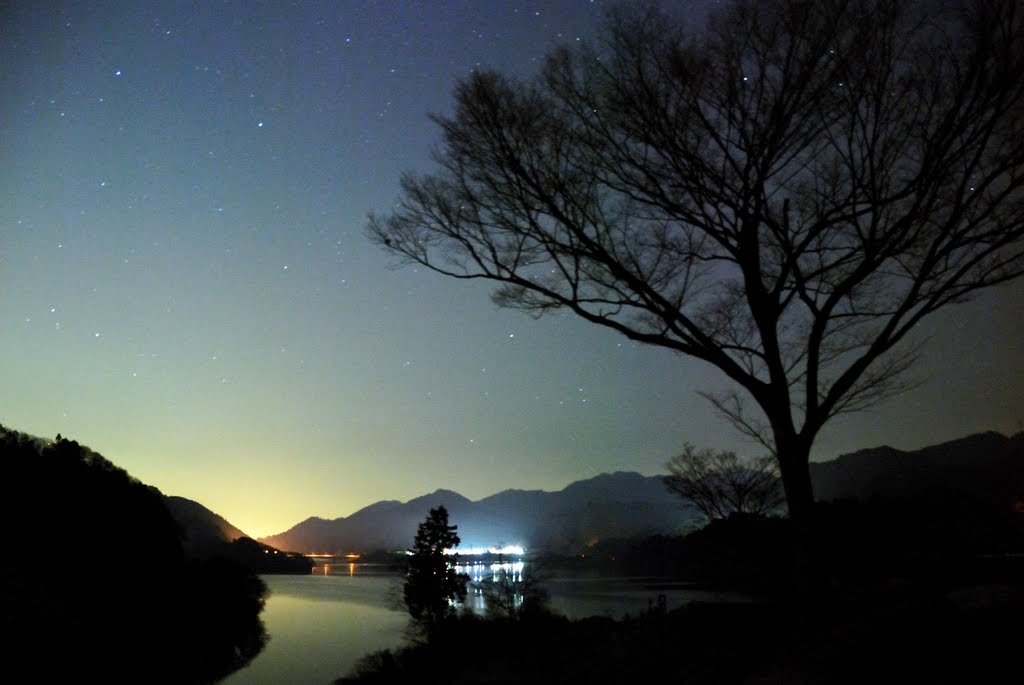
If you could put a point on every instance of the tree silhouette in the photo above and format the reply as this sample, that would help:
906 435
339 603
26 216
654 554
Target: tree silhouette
784 194
432 585
719 483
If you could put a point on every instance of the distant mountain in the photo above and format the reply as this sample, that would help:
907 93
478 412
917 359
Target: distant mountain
985 466
616 505
204 532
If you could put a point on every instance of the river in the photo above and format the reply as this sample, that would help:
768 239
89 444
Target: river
320 625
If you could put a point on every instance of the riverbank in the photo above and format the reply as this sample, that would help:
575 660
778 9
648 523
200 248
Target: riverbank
886 633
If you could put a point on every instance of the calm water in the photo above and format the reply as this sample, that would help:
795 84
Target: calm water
321 625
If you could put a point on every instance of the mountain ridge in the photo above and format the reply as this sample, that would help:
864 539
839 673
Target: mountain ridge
568 518
629 504
986 465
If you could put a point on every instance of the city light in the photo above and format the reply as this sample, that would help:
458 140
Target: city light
477 551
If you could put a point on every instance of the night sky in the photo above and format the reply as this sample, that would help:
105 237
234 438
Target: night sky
186 286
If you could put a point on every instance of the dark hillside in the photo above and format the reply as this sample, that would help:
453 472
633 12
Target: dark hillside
94 584
984 466
203 532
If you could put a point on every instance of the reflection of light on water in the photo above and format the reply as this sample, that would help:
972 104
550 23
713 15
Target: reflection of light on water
503 578
349 565
482 571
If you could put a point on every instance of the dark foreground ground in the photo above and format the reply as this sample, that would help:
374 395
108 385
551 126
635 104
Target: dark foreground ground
879 635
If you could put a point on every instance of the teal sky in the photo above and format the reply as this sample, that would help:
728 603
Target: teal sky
185 285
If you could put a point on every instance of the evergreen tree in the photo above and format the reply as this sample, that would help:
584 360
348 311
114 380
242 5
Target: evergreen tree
432 584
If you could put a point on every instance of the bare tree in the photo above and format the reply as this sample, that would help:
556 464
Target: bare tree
784 193
719 483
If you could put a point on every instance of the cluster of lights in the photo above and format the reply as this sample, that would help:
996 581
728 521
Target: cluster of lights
478 551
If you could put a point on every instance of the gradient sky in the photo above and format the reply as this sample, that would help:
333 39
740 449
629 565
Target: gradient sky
186 287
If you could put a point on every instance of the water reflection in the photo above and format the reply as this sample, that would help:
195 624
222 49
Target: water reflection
498 583
482 571
321 624
485 577
574 593
348 565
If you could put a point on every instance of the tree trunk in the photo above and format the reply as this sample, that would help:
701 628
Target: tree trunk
794 458
794 466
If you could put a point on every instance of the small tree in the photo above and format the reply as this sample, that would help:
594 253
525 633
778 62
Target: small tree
432 585
720 483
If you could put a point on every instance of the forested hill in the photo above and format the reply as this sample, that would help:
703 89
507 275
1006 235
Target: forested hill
96 583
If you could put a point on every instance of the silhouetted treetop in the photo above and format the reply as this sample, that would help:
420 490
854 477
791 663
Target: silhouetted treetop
784 192
721 484
432 584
